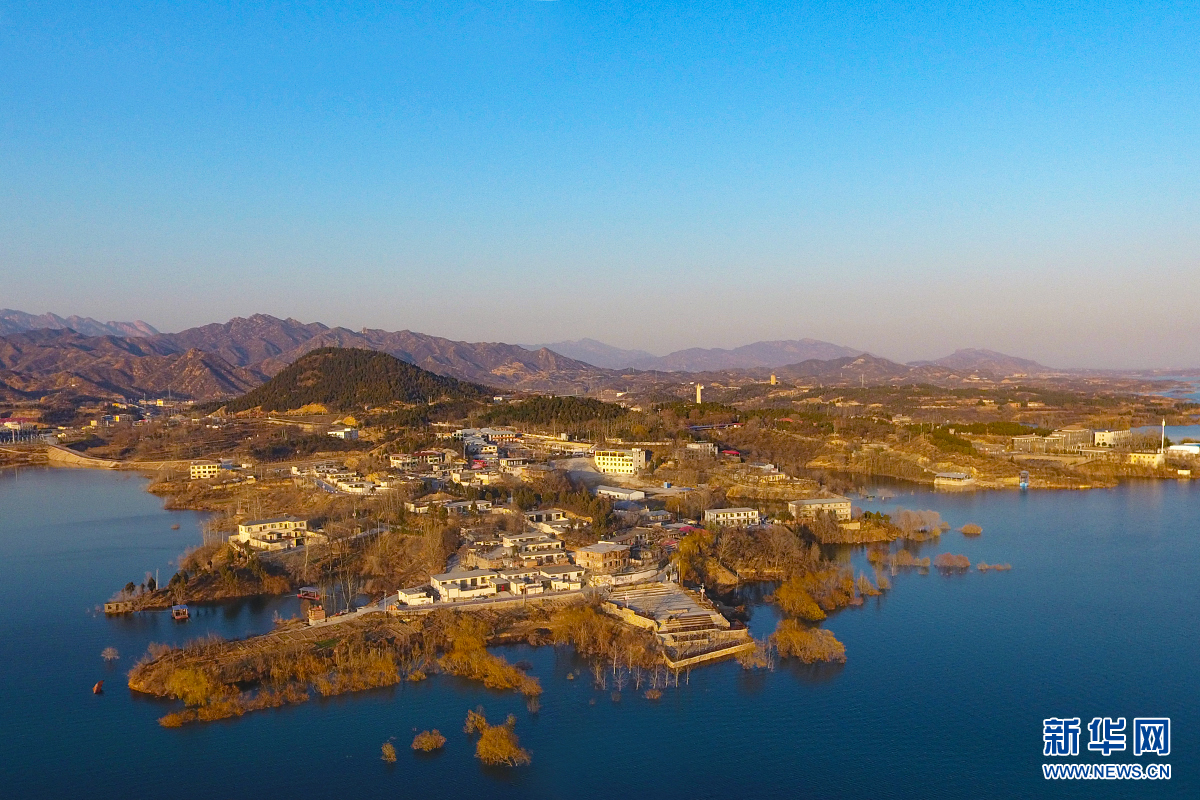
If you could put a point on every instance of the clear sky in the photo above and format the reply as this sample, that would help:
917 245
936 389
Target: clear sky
904 178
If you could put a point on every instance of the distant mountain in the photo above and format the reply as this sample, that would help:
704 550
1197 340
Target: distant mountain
850 370
244 352
12 321
974 360
343 379
44 362
599 354
697 359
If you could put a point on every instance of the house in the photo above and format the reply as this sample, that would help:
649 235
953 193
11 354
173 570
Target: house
278 533
620 462
703 448
533 549
545 515
465 585
658 516
563 577
1186 450
402 461
520 581
808 508
343 433
619 493
203 470
416 596
603 557
733 516
461 507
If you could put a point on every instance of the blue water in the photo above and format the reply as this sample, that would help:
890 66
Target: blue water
946 684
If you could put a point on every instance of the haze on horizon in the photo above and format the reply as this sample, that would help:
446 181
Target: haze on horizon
904 181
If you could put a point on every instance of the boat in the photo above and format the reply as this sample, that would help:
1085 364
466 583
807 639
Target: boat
98 688
179 613
309 593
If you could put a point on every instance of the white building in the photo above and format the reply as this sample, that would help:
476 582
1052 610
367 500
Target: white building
703 448
343 433
279 533
619 493
563 577
416 596
733 516
809 507
465 585
1112 438
468 506
620 462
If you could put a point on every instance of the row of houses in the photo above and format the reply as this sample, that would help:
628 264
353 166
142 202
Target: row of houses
807 508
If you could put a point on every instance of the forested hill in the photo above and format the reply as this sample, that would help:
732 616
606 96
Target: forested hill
343 379
552 410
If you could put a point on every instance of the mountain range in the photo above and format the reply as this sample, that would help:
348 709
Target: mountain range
224 359
12 321
228 359
698 359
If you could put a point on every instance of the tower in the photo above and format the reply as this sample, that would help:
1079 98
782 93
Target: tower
699 393
773 381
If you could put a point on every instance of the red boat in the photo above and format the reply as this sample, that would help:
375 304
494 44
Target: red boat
309 593
98 688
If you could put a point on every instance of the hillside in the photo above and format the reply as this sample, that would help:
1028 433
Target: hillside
48 362
344 379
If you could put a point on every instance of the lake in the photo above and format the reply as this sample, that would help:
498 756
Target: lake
943 694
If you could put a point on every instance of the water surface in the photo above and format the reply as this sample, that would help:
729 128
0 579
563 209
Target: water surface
947 681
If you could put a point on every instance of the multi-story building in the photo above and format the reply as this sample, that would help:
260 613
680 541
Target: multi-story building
733 516
620 462
279 533
808 508
1112 438
603 557
203 470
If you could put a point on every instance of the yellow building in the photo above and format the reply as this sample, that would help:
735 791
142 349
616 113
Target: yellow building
202 470
1146 459
620 462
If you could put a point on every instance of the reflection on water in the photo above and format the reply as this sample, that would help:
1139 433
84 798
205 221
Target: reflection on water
942 695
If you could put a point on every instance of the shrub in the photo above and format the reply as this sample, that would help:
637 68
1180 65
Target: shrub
810 645
110 654
428 741
653 694
971 529
476 722
948 561
795 600
389 752
498 746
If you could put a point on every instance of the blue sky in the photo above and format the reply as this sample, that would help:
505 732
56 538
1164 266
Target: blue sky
904 178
